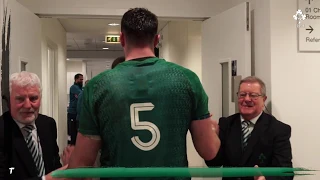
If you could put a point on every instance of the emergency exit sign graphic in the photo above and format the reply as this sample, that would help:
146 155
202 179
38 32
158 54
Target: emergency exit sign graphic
112 39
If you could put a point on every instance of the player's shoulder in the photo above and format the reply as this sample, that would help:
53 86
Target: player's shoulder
98 78
189 74
44 121
277 124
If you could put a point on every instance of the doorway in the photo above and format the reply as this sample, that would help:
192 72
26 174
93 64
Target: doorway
51 80
225 88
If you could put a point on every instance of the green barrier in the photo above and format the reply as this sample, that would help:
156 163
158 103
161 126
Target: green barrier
175 172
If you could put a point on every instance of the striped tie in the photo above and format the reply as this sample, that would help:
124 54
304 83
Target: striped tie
34 150
245 133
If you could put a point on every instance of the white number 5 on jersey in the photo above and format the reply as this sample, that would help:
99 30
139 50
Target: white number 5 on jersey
136 124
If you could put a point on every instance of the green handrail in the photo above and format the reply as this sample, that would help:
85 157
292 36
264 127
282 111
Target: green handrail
91 172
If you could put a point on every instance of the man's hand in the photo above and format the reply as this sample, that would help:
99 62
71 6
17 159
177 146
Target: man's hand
215 126
259 177
67 154
49 177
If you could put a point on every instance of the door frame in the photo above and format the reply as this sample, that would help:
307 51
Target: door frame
231 104
55 108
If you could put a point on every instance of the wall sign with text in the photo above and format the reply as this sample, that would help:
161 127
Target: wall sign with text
308 24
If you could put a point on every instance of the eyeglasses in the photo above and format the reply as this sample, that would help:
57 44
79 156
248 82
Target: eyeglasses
243 95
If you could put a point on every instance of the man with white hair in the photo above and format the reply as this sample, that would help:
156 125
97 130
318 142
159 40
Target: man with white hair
28 149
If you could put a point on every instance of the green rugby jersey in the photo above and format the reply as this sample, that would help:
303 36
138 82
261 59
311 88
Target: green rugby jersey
142 110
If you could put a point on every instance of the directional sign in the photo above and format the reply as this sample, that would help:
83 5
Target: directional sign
308 24
112 39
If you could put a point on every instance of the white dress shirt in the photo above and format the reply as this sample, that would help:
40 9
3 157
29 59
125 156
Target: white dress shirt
253 122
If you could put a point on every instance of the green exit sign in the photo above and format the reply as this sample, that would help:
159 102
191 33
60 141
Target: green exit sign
112 39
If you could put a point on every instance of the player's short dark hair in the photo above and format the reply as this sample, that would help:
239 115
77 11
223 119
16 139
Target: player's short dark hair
118 61
77 76
139 26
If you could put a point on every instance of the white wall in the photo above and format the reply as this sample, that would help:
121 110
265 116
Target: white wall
193 60
164 43
74 66
54 33
95 67
181 44
25 39
295 86
84 70
91 55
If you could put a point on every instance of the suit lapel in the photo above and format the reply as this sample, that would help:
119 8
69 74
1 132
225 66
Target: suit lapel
22 150
258 130
41 133
234 141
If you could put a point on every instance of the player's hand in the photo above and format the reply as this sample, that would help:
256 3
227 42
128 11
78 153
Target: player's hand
259 177
49 177
67 154
215 126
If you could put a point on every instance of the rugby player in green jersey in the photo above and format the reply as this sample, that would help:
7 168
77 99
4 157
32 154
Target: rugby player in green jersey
139 113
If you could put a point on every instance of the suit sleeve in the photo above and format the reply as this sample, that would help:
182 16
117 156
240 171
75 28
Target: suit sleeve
218 161
3 158
3 164
282 152
56 158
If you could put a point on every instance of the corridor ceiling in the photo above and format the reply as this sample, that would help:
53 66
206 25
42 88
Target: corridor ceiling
89 34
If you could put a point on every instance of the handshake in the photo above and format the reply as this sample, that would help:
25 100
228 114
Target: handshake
215 128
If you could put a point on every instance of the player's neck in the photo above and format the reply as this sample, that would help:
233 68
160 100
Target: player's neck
136 53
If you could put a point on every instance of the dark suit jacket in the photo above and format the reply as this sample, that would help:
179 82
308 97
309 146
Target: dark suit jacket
268 146
15 153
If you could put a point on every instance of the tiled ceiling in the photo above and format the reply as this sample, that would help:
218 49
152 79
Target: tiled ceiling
89 34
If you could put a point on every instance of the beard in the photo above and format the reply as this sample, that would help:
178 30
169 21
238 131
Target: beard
27 116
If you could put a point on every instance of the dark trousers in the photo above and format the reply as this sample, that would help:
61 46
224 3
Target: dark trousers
73 126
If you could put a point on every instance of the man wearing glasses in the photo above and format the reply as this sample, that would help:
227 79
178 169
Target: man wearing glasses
251 137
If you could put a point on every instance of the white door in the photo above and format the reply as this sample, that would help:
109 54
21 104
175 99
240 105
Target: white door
51 81
225 37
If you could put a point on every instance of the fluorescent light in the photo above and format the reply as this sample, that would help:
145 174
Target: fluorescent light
105 48
113 24
68 59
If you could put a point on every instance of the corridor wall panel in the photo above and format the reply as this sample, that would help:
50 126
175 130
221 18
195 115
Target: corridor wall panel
5 54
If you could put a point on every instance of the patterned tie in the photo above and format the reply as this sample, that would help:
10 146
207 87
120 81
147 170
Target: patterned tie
245 133
34 150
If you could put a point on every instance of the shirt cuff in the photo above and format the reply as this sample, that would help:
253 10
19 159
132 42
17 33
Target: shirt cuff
43 177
